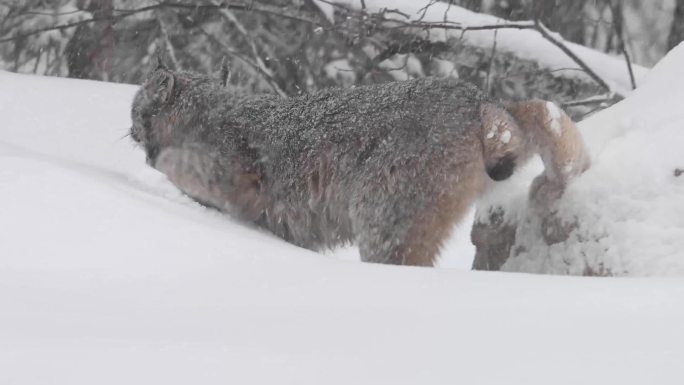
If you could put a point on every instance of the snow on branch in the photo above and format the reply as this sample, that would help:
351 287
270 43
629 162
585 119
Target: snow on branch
228 15
529 40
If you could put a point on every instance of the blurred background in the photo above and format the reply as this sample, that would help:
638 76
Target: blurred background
297 46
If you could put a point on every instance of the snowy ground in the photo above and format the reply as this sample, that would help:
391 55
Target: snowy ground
108 275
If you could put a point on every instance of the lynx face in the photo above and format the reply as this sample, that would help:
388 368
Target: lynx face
154 94
502 142
139 119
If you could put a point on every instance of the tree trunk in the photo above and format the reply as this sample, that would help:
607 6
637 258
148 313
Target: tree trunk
677 29
89 52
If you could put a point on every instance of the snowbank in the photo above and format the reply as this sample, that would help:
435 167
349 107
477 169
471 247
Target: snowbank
630 205
108 275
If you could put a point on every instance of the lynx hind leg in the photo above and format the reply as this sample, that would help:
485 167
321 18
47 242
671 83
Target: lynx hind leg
555 137
412 240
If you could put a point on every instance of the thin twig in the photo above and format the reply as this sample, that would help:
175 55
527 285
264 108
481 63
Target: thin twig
62 27
539 26
423 11
535 25
47 13
629 67
123 13
427 25
247 7
598 99
167 42
491 62
226 13
593 110
619 32
382 11
269 80
446 11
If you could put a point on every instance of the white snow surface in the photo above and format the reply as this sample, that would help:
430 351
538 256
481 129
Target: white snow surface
525 43
108 275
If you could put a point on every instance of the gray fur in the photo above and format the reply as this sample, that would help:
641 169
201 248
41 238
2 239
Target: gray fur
379 165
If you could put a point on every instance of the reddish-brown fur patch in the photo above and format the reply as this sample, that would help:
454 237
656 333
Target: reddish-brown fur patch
433 227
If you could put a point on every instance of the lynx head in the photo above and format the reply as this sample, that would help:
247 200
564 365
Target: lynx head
503 142
157 92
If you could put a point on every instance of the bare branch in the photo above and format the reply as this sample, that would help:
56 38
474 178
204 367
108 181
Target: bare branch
58 28
427 25
536 25
619 32
382 12
539 26
423 11
123 13
226 13
268 78
47 13
167 42
491 63
629 67
598 99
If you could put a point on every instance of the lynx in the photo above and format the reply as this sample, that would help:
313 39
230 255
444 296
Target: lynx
391 167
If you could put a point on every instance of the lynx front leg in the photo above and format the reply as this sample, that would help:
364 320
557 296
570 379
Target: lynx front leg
392 244
554 136
213 180
414 240
565 157
383 221
190 170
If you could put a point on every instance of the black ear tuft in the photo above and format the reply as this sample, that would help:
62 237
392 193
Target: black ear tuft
159 60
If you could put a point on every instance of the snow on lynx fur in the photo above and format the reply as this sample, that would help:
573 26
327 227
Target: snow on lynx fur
391 167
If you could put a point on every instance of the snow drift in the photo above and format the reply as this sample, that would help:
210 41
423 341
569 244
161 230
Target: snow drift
108 275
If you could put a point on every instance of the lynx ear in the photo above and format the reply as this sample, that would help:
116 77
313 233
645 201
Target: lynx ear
160 85
158 61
